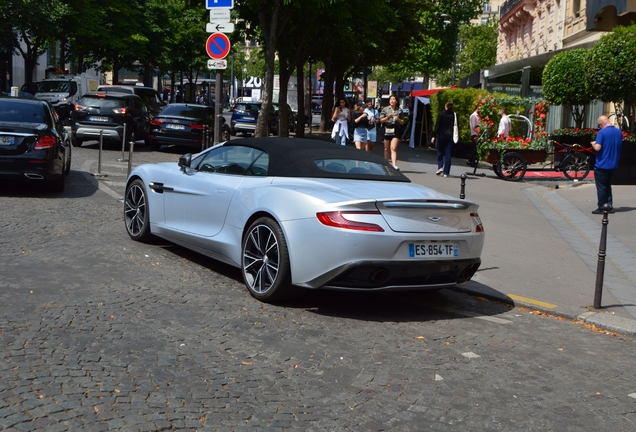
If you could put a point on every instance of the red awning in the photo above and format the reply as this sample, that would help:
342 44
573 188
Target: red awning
425 93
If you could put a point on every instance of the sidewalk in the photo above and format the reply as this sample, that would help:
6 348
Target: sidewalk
541 248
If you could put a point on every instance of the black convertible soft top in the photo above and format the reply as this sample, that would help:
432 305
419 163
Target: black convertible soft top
295 158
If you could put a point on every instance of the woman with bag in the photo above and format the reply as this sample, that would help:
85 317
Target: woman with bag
391 118
361 123
340 117
447 133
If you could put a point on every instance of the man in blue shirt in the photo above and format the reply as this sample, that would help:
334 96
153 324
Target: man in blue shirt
608 150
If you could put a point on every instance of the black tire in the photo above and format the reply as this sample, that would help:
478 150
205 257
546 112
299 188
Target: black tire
136 211
265 261
75 142
576 166
513 166
232 132
155 145
67 168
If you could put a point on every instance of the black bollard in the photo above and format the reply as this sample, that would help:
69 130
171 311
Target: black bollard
462 193
600 268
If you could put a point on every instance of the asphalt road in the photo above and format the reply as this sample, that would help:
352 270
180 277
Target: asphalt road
98 332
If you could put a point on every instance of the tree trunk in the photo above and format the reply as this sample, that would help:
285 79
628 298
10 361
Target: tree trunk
327 99
283 114
268 28
300 81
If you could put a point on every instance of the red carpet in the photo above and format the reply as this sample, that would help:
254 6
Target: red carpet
549 174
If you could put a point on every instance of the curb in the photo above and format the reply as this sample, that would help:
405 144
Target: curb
602 320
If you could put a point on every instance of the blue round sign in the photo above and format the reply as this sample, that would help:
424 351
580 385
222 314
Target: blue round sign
217 46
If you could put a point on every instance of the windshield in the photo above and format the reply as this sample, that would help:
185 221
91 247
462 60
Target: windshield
57 86
11 112
101 102
183 111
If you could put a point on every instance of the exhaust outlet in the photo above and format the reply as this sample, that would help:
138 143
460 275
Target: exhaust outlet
34 176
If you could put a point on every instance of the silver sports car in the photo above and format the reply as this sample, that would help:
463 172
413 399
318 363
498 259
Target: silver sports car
302 213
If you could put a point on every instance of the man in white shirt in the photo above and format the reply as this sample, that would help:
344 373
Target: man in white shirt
474 123
504 124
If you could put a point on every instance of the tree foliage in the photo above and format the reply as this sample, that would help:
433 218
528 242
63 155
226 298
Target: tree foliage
611 70
564 83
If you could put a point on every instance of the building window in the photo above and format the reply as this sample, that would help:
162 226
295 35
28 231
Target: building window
486 6
576 7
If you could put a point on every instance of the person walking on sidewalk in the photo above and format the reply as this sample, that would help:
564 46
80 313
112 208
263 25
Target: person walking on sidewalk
609 141
474 124
391 119
443 132
361 122
340 117
374 119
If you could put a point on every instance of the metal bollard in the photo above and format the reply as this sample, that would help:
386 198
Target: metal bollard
130 155
123 145
462 193
101 146
600 268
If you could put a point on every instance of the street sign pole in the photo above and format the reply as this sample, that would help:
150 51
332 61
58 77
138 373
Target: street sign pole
218 109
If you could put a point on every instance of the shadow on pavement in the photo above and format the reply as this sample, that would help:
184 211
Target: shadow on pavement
72 188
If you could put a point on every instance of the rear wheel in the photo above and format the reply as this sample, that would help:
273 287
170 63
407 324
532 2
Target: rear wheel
265 261
513 166
136 215
576 166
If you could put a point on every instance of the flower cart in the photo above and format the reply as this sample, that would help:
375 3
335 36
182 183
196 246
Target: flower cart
511 164
510 156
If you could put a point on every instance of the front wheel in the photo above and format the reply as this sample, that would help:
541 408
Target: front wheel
576 166
265 261
513 166
136 214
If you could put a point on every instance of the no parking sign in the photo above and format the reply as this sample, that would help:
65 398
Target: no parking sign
217 46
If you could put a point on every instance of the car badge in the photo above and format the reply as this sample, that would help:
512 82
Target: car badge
434 218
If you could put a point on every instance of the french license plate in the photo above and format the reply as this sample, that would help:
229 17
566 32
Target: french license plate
7 140
248 118
175 126
433 249
98 119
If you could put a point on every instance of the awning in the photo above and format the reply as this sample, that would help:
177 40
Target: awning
425 93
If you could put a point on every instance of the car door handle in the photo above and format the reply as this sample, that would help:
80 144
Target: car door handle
221 191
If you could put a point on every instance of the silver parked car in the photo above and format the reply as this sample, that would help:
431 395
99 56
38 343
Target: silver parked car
302 213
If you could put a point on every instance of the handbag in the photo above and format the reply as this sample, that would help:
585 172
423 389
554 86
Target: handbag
455 130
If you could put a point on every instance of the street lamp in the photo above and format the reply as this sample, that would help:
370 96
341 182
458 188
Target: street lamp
447 21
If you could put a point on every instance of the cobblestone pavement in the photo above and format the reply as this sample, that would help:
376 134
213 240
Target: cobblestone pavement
101 333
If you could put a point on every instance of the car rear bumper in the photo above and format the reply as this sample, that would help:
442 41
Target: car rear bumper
86 133
28 168
398 275
244 127
163 140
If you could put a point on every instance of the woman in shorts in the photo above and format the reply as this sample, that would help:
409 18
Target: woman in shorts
361 123
390 117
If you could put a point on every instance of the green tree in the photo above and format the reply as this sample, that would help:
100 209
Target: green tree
36 23
564 83
611 69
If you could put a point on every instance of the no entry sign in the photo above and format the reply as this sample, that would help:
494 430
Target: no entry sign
217 46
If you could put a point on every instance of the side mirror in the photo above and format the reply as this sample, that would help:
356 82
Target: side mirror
185 161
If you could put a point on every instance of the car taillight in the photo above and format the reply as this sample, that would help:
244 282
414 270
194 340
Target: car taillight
196 126
479 227
45 142
119 110
338 220
156 122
